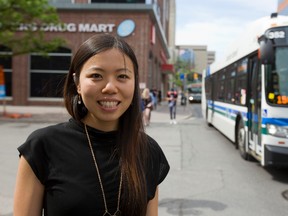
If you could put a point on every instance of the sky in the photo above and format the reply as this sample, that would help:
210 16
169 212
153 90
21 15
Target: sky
216 23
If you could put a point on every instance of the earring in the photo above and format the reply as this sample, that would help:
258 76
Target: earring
79 99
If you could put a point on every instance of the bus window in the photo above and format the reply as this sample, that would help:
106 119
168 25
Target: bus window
241 82
221 86
230 85
208 87
277 79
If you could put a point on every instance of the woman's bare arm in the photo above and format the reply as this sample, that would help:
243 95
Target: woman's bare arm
28 196
152 207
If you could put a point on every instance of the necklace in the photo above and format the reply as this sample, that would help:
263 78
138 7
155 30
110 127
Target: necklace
106 213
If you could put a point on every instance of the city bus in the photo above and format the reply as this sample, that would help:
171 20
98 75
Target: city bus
246 94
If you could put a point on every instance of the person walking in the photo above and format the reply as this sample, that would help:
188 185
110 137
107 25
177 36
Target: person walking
147 102
100 162
172 103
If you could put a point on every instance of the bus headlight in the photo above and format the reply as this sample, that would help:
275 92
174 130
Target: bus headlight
278 131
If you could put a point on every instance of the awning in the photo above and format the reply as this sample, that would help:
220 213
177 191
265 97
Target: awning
167 68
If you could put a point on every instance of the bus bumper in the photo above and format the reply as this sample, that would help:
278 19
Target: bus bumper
276 156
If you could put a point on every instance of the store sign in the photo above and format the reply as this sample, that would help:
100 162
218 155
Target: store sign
2 83
69 27
124 29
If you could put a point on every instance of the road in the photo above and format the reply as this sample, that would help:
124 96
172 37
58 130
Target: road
207 177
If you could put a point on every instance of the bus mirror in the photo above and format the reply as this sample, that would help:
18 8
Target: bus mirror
266 51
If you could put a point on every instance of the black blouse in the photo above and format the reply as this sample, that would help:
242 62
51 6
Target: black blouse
60 157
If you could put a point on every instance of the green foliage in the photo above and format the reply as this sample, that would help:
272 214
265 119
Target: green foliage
13 13
183 67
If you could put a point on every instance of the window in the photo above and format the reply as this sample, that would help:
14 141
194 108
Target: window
241 82
221 85
48 73
208 87
230 85
61 1
277 79
118 1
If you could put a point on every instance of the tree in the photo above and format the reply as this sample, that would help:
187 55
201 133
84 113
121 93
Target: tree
183 67
31 13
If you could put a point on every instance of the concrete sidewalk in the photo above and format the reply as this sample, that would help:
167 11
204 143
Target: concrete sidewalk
56 114
15 130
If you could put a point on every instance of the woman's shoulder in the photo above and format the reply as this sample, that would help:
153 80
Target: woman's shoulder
154 148
48 130
157 161
59 131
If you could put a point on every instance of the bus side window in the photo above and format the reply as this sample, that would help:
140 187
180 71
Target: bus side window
241 82
230 85
221 86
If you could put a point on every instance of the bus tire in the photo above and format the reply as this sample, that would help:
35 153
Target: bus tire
240 140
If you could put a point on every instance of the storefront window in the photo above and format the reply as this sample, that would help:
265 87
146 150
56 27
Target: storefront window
61 1
6 62
118 1
48 73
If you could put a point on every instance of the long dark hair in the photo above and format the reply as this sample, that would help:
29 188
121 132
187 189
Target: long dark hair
132 141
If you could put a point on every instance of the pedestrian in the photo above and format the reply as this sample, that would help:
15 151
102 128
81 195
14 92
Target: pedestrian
147 102
172 103
153 94
159 97
100 162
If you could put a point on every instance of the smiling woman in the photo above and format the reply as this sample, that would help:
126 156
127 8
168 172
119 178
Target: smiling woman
106 86
100 162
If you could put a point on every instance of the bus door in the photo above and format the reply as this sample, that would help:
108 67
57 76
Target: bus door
254 106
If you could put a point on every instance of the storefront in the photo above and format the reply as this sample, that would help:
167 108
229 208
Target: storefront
36 80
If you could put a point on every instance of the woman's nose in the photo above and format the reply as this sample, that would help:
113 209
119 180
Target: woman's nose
110 87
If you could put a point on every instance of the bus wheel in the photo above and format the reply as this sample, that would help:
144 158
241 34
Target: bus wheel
241 140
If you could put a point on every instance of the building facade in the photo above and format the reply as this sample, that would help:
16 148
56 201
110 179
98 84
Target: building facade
36 80
200 58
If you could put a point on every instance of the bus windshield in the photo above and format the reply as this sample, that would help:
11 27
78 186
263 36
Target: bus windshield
277 78
194 90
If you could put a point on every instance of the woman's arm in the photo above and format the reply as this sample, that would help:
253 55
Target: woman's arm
152 207
29 192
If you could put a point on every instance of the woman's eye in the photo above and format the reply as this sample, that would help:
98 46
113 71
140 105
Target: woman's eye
96 76
123 76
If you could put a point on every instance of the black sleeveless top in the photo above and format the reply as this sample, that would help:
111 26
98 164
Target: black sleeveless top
60 157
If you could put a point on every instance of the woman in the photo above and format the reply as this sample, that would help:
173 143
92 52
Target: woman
100 162
148 106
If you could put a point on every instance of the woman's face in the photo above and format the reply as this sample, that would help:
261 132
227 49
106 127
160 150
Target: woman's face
106 85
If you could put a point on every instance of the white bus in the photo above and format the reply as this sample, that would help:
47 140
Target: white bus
246 95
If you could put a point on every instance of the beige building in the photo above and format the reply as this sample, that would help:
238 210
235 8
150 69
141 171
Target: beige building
201 57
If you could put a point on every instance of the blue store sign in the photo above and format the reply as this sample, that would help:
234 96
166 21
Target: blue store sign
126 28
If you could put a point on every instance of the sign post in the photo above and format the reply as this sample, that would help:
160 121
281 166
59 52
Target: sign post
2 89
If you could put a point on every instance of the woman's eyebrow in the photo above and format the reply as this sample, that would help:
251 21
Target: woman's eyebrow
124 69
95 68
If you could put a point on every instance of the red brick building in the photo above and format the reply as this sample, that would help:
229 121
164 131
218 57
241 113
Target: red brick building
35 80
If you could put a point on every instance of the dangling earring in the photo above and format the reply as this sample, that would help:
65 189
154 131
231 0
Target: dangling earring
79 99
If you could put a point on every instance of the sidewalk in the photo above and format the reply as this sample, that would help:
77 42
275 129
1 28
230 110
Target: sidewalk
32 117
59 114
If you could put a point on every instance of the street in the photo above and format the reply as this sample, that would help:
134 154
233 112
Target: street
207 176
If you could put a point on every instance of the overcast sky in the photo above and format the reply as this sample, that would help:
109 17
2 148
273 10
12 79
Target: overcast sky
216 23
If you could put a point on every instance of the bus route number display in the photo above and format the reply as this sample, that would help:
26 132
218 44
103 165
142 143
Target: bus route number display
282 99
276 34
